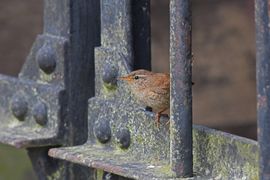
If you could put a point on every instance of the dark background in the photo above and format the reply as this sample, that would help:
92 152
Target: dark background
224 95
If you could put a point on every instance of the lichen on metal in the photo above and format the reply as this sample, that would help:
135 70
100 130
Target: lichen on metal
31 105
38 109
216 155
219 154
142 151
18 112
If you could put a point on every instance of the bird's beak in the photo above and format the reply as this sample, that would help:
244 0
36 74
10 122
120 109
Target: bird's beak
125 78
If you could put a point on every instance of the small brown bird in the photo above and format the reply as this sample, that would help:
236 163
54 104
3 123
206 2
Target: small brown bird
150 89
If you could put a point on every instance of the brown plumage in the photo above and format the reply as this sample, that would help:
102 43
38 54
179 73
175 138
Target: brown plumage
150 89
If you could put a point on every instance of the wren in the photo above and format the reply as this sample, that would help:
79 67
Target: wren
150 89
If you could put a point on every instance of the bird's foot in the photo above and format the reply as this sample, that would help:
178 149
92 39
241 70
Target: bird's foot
157 120
158 115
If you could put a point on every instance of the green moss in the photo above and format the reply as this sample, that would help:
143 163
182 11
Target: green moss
99 174
245 150
45 77
108 87
56 174
211 152
139 139
166 169
251 170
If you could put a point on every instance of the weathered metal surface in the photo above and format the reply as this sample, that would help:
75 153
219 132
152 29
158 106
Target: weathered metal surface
115 57
122 136
40 109
78 22
263 84
57 78
20 110
147 153
35 97
181 92
217 155
141 34
45 62
57 16
224 156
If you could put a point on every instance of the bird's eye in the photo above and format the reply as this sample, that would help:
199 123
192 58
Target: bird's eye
136 77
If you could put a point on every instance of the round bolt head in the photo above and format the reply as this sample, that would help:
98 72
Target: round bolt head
40 113
19 107
123 138
102 131
109 74
46 59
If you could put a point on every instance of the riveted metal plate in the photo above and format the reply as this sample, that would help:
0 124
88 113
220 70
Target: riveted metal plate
217 155
20 112
30 104
122 136
148 155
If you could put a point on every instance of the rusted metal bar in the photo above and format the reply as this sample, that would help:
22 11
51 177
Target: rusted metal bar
263 85
181 83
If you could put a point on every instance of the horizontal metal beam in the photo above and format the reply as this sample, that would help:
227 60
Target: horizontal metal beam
216 154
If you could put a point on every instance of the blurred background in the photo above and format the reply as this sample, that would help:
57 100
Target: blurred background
224 63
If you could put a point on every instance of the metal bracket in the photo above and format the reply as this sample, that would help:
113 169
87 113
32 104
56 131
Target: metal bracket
56 79
29 113
217 155
31 104
122 137
124 140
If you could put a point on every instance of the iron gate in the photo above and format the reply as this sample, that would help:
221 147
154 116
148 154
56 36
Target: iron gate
78 122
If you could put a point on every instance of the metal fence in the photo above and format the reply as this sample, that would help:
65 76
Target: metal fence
77 122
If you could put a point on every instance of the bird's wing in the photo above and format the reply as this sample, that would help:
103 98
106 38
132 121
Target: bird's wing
163 80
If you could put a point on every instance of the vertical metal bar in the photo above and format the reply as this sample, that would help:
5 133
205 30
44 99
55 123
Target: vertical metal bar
181 88
79 22
80 75
116 35
141 31
263 85
116 32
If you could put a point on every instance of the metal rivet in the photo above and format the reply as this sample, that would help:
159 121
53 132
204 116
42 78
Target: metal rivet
19 107
109 74
102 131
40 113
46 59
123 138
